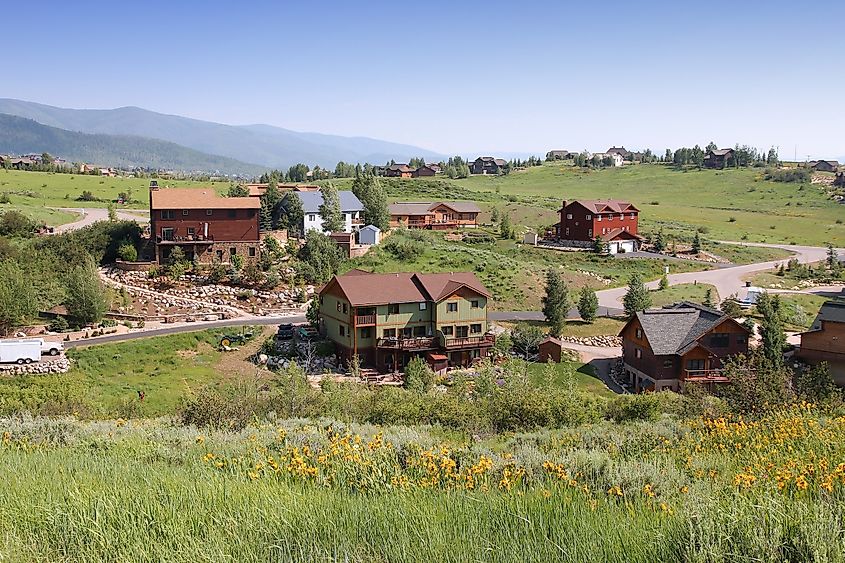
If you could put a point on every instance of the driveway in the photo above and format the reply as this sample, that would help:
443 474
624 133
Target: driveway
90 215
726 280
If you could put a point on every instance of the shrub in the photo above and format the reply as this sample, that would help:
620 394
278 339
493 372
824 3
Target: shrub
634 407
127 252
59 324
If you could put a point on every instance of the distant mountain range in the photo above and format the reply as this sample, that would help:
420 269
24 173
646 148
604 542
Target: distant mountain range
264 145
19 135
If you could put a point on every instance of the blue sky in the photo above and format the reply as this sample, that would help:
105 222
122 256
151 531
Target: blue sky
456 77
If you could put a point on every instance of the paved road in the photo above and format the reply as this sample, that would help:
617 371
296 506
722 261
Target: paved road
184 327
538 315
726 280
93 214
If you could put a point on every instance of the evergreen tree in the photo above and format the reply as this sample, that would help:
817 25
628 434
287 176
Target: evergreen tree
555 302
505 225
731 307
330 209
419 376
637 298
294 213
696 244
771 328
238 190
312 315
659 242
494 215
832 259
588 304
599 246
664 282
708 298
319 258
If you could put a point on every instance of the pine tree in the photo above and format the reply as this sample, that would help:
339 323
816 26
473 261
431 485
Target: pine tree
771 328
696 244
330 209
494 215
659 243
637 298
588 304
664 282
555 302
708 298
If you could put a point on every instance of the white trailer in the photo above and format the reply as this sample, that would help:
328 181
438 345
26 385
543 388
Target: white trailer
20 350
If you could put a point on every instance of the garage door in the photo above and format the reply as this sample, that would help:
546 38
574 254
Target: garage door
627 246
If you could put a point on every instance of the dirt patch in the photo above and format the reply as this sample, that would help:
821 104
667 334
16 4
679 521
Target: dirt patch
236 364
185 354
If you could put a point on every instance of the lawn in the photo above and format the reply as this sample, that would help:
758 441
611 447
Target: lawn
742 254
106 378
583 377
683 292
726 204
40 213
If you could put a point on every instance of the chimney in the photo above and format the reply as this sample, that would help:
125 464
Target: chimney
563 205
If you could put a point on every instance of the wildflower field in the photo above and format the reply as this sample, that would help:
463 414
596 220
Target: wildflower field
697 489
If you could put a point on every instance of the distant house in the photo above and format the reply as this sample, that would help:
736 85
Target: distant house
388 319
616 158
206 226
350 207
718 158
399 171
257 190
825 341
424 171
621 151
434 166
559 155
664 349
369 235
824 165
615 221
441 215
487 165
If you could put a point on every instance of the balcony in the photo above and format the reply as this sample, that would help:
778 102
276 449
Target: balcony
704 376
186 240
414 343
365 320
469 342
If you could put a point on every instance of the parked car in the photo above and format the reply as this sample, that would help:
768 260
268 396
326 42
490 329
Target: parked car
51 347
285 331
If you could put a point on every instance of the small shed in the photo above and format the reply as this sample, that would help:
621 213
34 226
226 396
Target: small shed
369 235
530 238
550 350
345 241
437 362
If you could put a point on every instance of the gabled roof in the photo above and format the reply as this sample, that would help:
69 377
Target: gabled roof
364 289
720 152
675 329
834 163
371 228
604 205
620 234
498 161
198 198
830 312
311 201
400 167
459 206
427 207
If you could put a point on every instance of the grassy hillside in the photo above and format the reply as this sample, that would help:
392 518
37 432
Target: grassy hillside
729 204
669 490
22 136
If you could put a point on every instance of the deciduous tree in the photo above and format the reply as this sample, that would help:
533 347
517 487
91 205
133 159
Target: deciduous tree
637 298
588 304
555 302
330 209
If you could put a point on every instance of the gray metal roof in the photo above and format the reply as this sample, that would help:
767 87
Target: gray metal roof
311 201
831 312
675 328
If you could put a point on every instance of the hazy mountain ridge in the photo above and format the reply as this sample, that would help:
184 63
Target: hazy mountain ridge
20 135
263 144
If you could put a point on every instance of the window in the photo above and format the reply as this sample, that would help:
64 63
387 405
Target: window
338 306
589 232
621 216
208 212
252 251
476 353
167 234
342 330
184 213
475 329
633 215
406 332
569 215
422 306
345 309
389 333
393 309
312 217
639 333
638 353
742 340
588 217
668 363
251 213
598 217
567 231
219 255
232 213
720 340
462 331
448 330
167 214
474 304
365 332
452 307
233 250
419 331
695 365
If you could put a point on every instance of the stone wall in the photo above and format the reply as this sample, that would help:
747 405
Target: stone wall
57 365
134 266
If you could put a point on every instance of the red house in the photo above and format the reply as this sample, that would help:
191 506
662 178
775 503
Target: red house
207 227
612 220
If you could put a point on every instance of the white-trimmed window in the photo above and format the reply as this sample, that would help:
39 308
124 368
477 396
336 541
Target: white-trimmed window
589 217
569 215
422 306
184 213
452 307
598 217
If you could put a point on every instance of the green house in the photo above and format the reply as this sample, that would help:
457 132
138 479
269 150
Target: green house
387 319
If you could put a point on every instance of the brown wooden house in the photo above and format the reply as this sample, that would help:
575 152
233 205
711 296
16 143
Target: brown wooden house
424 172
824 165
825 341
441 215
399 171
663 349
487 165
718 158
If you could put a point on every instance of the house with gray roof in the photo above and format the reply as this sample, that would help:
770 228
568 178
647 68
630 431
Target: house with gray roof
667 348
825 341
440 215
350 207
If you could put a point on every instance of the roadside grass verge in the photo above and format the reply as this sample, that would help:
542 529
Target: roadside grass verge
683 292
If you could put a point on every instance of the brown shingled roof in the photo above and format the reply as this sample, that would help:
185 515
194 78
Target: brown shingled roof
365 289
198 198
605 205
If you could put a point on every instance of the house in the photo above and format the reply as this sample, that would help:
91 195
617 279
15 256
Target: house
824 165
369 235
436 167
388 319
350 207
559 155
621 151
825 341
663 349
616 159
487 165
399 171
550 350
257 190
424 171
440 215
207 227
615 221
718 158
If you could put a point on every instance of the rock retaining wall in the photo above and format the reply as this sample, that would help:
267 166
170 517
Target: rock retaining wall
598 341
58 365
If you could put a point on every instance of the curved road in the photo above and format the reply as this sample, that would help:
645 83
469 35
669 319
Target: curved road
93 214
726 280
